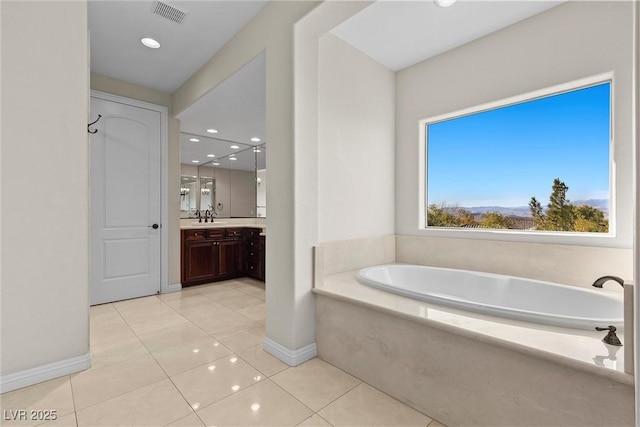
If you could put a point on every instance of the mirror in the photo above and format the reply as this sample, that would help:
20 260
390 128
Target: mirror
188 188
222 178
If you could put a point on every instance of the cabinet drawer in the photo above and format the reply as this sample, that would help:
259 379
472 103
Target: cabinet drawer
234 232
194 234
254 266
252 232
216 233
254 253
254 243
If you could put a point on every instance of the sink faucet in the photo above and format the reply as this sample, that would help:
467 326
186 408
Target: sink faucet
206 215
199 216
600 281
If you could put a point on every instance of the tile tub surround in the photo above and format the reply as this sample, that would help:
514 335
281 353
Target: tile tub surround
202 367
462 376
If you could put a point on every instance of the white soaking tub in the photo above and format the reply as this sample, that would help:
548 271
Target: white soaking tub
498 295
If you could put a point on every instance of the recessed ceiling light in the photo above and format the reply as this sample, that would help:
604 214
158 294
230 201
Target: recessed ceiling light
194 140
233 158
234 146
149 42
212 130
254 139
211 155
195 161
444 3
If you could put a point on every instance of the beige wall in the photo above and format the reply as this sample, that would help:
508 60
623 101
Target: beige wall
356 143
129 90
44 248
569 42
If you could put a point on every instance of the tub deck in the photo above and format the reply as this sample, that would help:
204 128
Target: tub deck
582 349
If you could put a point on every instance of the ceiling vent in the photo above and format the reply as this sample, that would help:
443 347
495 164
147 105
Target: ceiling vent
169 12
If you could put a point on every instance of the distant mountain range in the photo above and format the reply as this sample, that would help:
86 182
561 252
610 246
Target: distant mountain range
524 211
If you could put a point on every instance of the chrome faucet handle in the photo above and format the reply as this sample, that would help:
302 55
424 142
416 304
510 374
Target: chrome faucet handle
611 338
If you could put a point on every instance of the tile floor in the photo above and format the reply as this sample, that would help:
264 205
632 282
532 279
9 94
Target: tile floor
195 358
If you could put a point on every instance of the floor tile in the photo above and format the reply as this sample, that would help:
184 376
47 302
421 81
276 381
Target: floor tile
315 383
50 395
187 356
97 385
239 302
263 404
209 383
434 423
153 405
216 293
104 319
102 308
191 420
156 322
257 312
314 421
144 312
108 334
366 406
137 304
62 421
251 289
239 340
224 324
205 309
262 361
172 336
116 352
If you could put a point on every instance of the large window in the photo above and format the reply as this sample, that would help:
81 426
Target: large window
540 164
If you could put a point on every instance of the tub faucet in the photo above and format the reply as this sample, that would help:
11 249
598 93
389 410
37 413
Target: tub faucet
600 281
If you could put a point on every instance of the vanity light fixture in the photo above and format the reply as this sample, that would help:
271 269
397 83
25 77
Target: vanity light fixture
194 140
235 147
150 43
211 155
444 3
212 130
254 139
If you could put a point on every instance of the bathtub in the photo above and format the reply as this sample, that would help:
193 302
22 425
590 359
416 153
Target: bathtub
498 295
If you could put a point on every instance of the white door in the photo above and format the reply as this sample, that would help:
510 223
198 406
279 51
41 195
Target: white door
125 202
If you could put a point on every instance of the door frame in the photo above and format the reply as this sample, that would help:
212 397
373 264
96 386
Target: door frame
164 167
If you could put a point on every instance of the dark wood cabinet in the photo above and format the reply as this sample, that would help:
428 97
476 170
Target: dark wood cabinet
255 247
209 255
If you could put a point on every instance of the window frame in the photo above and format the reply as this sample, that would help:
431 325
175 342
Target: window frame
609 239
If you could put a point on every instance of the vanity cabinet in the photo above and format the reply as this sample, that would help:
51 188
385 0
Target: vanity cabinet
255 247
212 254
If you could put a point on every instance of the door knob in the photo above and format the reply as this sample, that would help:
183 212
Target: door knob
154 226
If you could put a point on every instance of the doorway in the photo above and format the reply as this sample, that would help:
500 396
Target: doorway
127 199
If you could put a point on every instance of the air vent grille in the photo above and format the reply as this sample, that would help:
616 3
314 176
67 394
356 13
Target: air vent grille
169 12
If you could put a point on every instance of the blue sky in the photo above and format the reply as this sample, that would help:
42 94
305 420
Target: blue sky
503 157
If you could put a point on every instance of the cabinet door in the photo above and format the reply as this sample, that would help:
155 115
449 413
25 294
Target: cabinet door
199 263
229 257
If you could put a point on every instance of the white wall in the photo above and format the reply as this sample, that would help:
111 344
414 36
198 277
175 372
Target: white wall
44 248
289 302
566 43
356 143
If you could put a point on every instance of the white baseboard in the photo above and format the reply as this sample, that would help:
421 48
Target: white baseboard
174 288
288 356
44 373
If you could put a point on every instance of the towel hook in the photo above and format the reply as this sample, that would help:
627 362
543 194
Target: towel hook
93 123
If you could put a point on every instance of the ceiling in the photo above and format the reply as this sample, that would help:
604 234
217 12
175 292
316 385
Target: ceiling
116 28
395 33
399 34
